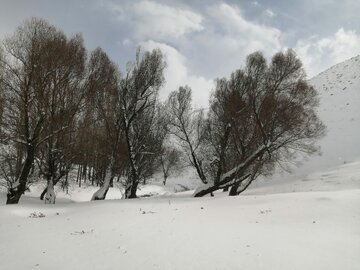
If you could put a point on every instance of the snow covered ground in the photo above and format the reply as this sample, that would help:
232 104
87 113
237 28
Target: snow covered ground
313 223
307 220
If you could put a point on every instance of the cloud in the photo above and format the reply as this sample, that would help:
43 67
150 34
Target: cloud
230 18
152 20
228 38
176 74
318 54
220 40
269 13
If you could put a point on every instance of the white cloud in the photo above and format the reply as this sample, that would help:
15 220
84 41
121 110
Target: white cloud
176 74
318 54
127 42
229 38
269 13
233 22
157 21
224 36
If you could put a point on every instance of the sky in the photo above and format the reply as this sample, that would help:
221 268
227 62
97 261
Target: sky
205 39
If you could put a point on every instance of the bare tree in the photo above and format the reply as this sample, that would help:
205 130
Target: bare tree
169 160
65 64
189 128
103 87
157 131
139 90
262 116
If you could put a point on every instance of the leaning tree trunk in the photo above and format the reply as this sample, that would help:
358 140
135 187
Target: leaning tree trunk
228 178
108 181
240 187
14 193
50 193
103 190
205 190
233 190
43 193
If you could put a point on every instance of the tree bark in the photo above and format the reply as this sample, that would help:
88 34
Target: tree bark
43 193
228 178
50 193
14 194
237 189
101 193
130 192
164 181
54 182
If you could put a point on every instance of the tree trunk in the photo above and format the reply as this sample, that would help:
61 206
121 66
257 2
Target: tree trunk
205 191
103 190
50 193
112 181
67 182
233 190
130 192
238 188
89 173
54 182
228 178
14 193
93 178
84 173
43 193
78 173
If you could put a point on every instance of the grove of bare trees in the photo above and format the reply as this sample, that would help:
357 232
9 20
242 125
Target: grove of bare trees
63 110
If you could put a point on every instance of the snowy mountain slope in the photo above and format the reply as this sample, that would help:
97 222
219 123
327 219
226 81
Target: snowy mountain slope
339 109
339 89
342 177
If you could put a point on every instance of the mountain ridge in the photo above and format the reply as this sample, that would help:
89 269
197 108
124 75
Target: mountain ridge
334 66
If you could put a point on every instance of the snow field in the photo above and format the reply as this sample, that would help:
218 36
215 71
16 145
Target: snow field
306 230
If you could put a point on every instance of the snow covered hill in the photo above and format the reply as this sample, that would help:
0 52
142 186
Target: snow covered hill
339 89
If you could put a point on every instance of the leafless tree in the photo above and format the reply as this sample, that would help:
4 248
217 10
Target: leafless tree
155 142
169 161
261 116
103 86
189 128
65 60
139 90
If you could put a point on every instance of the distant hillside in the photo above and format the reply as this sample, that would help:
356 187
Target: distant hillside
339 109
339 88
